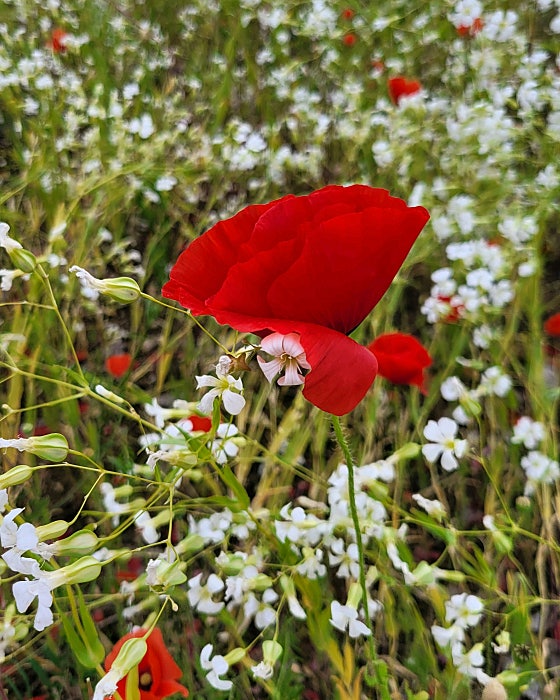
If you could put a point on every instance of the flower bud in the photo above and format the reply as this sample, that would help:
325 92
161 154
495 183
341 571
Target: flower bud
123 289
81 542
410 450
85 569
272 651
15 475
52 447
261 582
23 259
354 595
52 530
235 656
494 690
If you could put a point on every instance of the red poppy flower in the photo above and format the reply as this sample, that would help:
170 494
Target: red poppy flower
118 365
400 87
347 14
471 29
349 39
157 672
552 325
401 359
313 266
57 41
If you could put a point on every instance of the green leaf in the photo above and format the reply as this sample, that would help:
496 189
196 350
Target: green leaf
233 483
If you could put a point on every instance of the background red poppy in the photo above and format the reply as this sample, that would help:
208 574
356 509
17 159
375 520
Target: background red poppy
314 265
401 359
157 672
400 87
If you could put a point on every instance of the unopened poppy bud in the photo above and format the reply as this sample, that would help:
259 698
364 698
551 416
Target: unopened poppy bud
23 259
52 447
15 475
81 542
85 569
52 530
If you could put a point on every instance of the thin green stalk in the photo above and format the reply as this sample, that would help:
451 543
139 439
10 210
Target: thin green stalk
379 668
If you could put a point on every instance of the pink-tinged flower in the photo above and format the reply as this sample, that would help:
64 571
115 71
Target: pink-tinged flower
400 87
314 266
401 359
289 357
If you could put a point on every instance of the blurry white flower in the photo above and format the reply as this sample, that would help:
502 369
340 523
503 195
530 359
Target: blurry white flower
495 381
345 617
539 469
529 432
200 597
432 507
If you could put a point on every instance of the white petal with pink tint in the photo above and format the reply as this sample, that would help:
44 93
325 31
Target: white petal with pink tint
289 356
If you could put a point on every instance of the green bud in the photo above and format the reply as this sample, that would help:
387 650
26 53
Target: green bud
81 542
233 566
471 406
235 656
52 530
502 542
410 450
508 677
85 569
15 475
123 289
23 259
190 544
52 447
130 655
354 595
272 651
261 582
169 574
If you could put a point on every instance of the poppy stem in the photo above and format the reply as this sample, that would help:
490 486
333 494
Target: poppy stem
377 667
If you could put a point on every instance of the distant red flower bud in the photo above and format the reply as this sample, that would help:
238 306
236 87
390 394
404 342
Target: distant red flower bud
347 14
400 87
401 359
57 41
349 39
118 365
552 325
470 29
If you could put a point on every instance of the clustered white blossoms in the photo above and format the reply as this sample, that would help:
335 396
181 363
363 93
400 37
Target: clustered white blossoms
462 611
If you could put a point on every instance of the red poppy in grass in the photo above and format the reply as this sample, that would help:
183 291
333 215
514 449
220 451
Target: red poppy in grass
157 672
349 39
118 365
311 267
347 14
400 87
57 41
552 325
200 423
401 359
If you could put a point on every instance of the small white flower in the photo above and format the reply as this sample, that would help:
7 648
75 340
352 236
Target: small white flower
464 610
7 242
433 508
200 597
226 444
216 667
469 663
539 469
444 444
144 523
345 617
224 386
